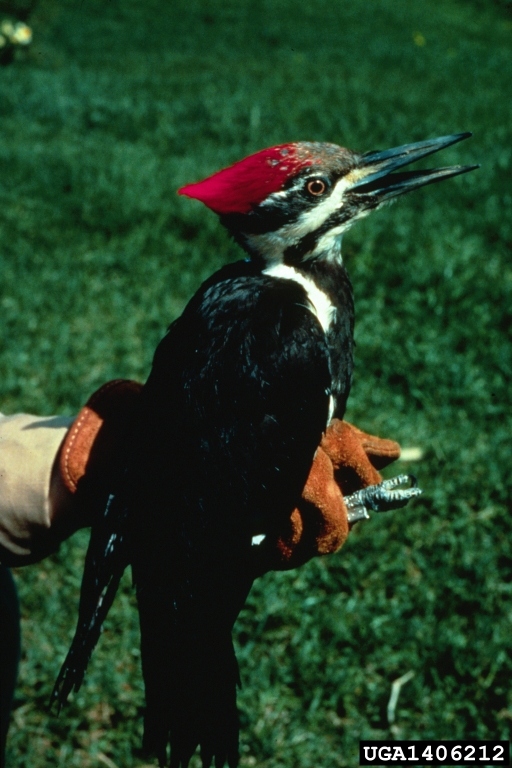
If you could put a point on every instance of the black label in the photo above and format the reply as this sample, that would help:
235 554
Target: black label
425 753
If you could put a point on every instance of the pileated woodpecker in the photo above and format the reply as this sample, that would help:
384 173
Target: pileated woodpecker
242 387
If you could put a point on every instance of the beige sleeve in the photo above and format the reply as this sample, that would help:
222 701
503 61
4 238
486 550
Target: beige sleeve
28 447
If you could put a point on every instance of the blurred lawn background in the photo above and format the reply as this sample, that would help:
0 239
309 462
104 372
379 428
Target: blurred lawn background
114 106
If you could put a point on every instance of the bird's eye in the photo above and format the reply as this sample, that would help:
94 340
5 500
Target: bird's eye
316 187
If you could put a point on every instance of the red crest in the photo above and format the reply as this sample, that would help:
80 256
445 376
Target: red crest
245 184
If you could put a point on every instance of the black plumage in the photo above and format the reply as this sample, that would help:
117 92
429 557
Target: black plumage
235 443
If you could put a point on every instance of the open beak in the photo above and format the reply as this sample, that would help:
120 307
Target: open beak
378 183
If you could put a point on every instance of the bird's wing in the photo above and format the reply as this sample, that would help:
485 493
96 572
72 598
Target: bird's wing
237 402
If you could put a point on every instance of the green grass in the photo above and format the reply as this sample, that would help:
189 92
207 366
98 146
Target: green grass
117 104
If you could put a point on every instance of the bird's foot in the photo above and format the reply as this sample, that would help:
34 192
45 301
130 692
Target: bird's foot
381 497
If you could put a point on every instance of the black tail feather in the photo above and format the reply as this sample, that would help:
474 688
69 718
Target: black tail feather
190 695
106 559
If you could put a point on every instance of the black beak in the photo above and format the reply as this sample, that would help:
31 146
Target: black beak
379 183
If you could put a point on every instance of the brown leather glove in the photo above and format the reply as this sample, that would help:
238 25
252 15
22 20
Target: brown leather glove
346 460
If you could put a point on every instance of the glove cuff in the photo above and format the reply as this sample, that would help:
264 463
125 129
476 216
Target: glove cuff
97 434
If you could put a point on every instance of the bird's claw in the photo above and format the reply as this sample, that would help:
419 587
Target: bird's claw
381 497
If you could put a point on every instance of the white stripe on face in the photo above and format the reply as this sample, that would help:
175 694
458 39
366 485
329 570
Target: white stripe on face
272 245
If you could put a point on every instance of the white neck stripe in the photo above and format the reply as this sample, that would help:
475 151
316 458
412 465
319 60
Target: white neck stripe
319 301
